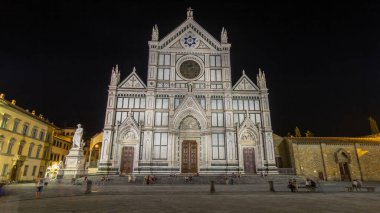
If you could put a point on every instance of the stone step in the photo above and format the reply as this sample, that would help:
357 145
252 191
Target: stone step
203 179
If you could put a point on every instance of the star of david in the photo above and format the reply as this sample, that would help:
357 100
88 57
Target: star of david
190 41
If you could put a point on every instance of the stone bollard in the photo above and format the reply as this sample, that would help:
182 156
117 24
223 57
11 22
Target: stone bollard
212 187
89 186
271 187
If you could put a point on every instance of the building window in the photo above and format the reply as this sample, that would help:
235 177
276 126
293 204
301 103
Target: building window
1 144
177 100
246 104
164 59
137 115
162 103
25 129
44 154
34 170
15 125
4 171
217 119
4 121
38 151
34 133
216 103
20 148
161 119
42 135
218 147
26 167
10 146
239 117
201 100
160 146
215 61
30 150
163 74
216 75
131 102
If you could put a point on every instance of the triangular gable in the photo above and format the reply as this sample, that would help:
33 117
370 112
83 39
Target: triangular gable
244 83
190 26
133 81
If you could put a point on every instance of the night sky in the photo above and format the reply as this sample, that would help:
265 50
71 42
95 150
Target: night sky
321 59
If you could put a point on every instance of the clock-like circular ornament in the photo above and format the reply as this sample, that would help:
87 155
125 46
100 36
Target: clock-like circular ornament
190 69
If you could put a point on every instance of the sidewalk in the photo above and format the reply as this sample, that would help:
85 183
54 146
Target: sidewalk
186 198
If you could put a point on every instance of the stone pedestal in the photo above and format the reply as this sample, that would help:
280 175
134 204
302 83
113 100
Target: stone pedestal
74 164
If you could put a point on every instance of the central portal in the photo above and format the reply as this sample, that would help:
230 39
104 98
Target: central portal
189 157
126 160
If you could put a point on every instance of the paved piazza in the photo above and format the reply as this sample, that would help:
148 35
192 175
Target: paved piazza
187 198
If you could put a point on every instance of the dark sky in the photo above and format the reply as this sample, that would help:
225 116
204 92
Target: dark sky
321 59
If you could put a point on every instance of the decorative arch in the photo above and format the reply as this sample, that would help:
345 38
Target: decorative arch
190 123
190 112
128 130
248 132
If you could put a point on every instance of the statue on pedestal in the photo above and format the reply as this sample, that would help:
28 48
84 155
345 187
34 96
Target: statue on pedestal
77 139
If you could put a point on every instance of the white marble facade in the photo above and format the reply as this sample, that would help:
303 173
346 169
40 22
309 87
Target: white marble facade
188 113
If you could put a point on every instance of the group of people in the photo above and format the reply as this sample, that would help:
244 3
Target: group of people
231 180
310 185
149 179
357 184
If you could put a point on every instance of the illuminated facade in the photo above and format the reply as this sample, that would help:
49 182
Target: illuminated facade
25 140
95 147
62 143
331 158
188 117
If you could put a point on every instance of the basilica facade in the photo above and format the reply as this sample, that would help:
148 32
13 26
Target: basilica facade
188 117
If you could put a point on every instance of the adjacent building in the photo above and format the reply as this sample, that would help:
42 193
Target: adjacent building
331 158
25 139
188 117
62 142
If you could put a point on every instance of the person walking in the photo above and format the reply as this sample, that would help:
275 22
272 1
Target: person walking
40 186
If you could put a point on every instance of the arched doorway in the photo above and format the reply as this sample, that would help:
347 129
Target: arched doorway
343 159
189 157
249 160
126 165
189 130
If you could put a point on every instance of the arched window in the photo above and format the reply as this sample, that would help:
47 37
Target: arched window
10 146
1 143
38 151
30 150
21 147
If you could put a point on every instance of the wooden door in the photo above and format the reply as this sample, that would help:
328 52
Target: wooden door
249 160
126 160
189 157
